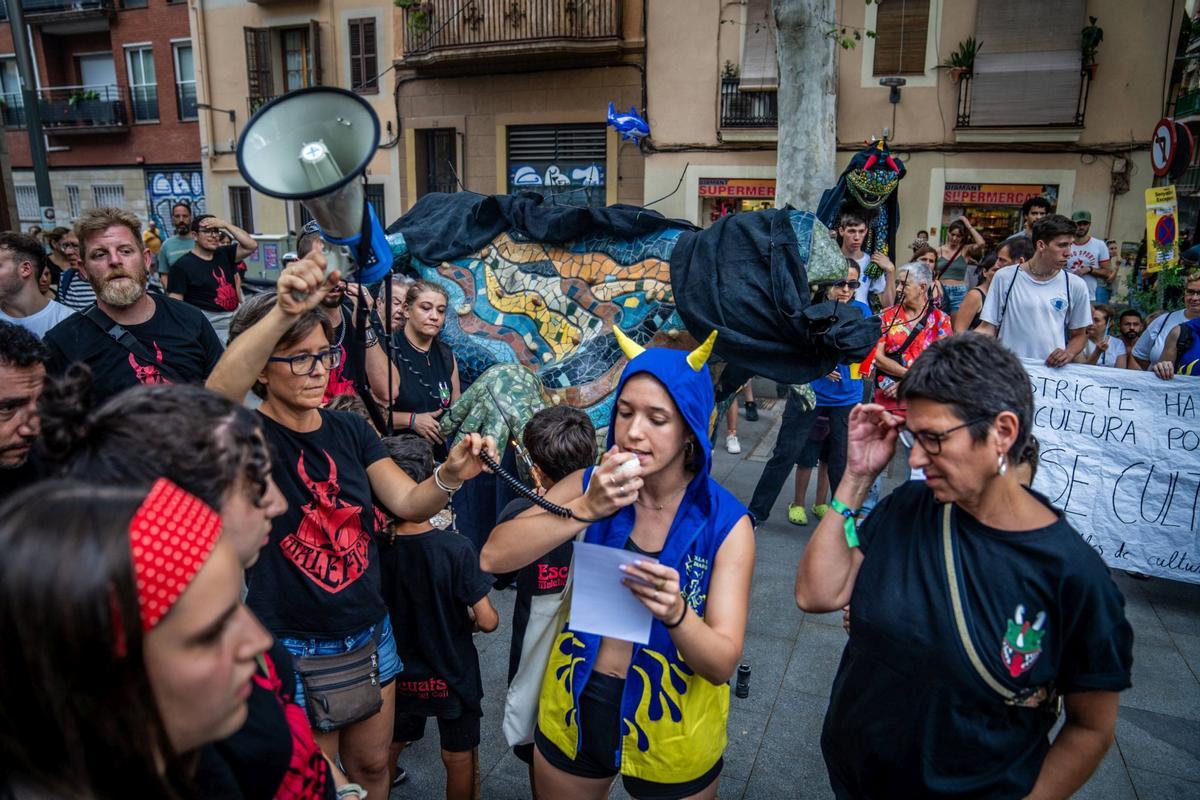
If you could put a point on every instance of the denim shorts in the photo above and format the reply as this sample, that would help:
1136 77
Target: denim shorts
385 646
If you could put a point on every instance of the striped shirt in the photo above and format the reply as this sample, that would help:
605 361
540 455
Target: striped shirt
74 291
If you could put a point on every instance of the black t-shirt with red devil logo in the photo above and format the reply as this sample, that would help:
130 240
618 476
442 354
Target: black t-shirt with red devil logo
318 575
180 338
207 285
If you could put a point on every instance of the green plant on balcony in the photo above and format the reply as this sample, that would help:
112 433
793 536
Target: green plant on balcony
82 97
418 15
1090 39
730 70
962 60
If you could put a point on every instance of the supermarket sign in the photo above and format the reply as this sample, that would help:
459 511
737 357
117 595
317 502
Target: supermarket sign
737 187
993 194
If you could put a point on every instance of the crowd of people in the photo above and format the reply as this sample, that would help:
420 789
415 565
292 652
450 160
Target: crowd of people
260 603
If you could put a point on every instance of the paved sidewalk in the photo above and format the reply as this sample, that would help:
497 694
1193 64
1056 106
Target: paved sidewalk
774 734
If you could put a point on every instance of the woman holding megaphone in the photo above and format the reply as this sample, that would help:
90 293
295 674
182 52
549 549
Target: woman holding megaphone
317 583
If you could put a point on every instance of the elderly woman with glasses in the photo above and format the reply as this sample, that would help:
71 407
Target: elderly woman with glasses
317 583
910 326
976 611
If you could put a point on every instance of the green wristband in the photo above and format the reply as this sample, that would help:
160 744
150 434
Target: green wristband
850 525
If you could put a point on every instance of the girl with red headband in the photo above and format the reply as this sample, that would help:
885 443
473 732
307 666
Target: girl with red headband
124 660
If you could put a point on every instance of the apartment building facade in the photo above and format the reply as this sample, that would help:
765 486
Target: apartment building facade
1030 118
116 92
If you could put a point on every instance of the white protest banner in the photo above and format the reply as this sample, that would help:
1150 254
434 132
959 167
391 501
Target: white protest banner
1120 455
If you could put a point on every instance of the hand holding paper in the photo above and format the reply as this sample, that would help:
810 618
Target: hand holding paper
600 602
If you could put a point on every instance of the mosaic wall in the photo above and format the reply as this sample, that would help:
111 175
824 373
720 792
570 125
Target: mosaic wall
552 309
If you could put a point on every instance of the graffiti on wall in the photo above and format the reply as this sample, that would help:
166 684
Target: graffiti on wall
578 183
165 188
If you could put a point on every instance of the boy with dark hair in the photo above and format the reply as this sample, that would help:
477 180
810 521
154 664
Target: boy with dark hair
851 233
559 440
22 265
1039 309
437 597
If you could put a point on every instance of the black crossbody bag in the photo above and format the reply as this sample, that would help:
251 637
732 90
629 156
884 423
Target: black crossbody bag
128 341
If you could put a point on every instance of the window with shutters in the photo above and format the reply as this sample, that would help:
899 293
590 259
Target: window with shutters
297 63
108 195
74 207
566 164
760 67
1029 71
901 34
364 56
375 196
27 203
259 86
437 160
241 208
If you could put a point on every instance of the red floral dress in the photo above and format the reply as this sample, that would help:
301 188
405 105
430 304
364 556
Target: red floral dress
896 329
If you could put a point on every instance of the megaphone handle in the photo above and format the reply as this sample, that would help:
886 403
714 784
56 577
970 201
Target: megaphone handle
338 258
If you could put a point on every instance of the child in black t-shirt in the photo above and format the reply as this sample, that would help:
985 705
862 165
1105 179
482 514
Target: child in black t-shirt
437 597
559 440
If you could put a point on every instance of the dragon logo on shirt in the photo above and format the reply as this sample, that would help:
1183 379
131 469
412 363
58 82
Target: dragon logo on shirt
330 546
1022 642
148 373
226 292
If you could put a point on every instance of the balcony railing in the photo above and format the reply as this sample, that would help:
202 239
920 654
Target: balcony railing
444 30
73 109
1188 104
1070 119
759 109
185 100
35 9
255 103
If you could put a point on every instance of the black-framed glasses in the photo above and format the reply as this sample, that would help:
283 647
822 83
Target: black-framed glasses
305 363
65 246
847 284
931 441
1191 292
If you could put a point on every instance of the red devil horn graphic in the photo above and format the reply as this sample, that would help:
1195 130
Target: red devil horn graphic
332 481
304 474
157 353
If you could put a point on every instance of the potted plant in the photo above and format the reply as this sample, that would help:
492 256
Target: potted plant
962 61
1090 39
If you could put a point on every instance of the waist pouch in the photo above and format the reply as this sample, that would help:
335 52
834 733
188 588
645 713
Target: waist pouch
341 689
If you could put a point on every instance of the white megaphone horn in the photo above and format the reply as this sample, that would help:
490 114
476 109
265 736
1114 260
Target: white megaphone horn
313 145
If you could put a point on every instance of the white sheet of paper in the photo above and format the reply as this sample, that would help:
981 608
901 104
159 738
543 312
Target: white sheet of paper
600 603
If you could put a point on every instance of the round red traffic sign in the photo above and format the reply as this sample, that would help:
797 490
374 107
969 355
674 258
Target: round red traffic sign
1162 147
1164 230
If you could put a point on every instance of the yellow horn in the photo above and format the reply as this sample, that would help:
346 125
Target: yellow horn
629 347
699 357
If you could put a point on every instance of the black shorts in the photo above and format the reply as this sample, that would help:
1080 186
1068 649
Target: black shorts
457 735
600 705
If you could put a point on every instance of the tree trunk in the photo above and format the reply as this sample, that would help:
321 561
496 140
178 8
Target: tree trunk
807 101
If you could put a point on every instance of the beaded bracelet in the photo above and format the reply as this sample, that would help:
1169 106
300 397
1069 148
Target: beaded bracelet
849 526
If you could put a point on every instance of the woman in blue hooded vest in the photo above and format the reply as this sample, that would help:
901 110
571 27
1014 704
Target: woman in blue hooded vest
656 713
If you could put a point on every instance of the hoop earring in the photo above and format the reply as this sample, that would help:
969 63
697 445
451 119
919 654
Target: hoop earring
1003 464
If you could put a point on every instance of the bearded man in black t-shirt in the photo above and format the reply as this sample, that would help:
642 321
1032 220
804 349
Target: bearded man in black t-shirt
129 337
208 277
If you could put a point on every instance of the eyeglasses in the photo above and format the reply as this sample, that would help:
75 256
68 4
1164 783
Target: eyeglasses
847 284
65 246
306 363
211 231
931 441
1191 292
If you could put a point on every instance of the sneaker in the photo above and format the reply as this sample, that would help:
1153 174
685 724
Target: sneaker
732 445
819 510
751 411
401 776
796 514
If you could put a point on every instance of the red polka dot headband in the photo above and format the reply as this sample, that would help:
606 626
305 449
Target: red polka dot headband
170 536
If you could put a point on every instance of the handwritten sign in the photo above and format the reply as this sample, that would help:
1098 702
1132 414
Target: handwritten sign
1120 455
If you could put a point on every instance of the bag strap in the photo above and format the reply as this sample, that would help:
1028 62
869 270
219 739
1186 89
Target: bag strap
1004 303
128 341
960 619
912 335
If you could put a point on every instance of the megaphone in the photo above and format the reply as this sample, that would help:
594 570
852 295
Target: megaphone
313 145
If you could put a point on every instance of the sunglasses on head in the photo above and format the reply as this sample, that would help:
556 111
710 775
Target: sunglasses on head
847 284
